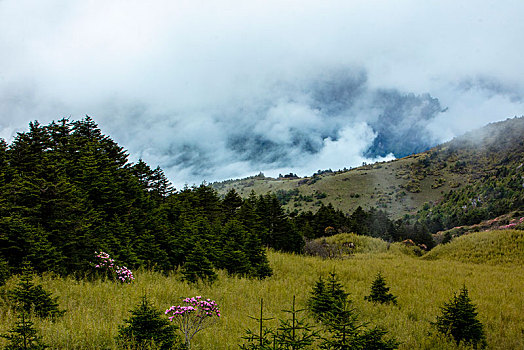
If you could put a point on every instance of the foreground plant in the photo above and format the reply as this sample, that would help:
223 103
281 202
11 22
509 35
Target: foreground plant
261 340
23 335
459 320
30 298
194 316
146 328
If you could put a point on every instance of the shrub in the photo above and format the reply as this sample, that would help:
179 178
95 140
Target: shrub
105 265
194 316
147 328
459 320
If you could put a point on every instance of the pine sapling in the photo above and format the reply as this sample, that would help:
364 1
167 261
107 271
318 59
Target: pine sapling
380 292
261 340
23 335
295 333
147 327
30 298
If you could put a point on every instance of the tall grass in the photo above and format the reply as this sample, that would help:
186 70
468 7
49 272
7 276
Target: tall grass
492 247
95 309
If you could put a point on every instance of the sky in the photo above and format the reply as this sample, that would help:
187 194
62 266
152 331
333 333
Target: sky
217 89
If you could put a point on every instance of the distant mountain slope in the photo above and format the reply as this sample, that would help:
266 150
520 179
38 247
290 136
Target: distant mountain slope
406 185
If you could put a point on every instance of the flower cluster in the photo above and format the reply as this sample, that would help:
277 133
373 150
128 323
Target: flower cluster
513 223
195 315
106 263
196 305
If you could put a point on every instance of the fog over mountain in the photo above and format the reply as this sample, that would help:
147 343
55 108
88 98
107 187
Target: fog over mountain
211 90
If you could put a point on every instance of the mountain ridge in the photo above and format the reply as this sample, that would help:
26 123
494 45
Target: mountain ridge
402 186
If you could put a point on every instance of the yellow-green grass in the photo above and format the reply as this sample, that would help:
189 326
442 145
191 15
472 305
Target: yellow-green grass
95 309
491 247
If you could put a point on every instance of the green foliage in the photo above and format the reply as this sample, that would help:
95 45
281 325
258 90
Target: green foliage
380 292
148 328
23 335
67 190
198 266
4 272
347 333
295 333
458 319
264 339
326 297
28 297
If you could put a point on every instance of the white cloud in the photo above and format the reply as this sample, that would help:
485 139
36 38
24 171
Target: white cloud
178 80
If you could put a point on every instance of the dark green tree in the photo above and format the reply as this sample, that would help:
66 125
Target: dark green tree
4 272
327 297
28 297
380 292
147 327
24 335
458 319
198 267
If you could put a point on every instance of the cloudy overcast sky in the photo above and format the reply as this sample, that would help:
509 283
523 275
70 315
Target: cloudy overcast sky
218 89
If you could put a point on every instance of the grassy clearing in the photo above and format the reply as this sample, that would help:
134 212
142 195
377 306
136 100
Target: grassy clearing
95 309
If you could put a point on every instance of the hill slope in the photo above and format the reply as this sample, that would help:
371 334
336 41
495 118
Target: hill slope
491 247
401 186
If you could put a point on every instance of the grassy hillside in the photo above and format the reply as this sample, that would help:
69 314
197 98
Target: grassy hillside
404 185
490 247
95 309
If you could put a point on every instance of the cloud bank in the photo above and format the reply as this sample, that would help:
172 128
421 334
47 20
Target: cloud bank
211 90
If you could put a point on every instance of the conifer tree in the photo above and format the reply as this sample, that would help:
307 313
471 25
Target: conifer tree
261 340
4 272
24 335
380 292
146 327
198 266
327 297
295 333
28 297
459 320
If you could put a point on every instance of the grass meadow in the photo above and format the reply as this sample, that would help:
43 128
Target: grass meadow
96 309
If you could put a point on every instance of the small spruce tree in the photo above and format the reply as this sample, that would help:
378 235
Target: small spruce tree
147 328
261 340
347 333
23 335
295 333
326 297
459 320
29 297
380 292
